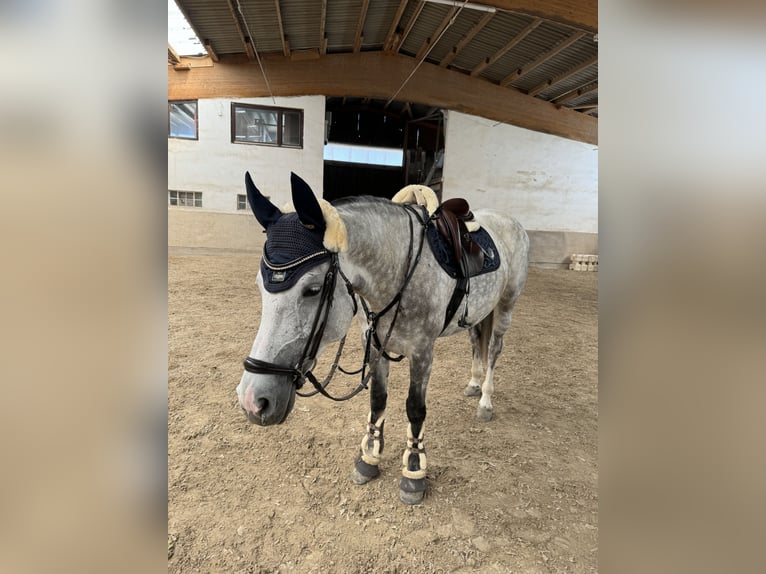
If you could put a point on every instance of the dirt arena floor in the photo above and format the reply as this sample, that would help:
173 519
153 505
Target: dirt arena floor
517 494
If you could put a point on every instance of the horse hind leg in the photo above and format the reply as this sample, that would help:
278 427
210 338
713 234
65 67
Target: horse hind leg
479 334
500 323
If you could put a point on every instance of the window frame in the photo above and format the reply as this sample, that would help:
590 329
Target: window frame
280 124
246 204
196 119
195 195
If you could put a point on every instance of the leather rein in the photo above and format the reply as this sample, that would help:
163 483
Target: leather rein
308 356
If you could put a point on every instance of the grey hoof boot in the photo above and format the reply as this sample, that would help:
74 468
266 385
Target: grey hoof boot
412 491
363 472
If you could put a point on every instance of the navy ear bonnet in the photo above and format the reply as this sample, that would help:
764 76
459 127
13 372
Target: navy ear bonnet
291 249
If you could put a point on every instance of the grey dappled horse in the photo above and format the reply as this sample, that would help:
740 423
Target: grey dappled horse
375 247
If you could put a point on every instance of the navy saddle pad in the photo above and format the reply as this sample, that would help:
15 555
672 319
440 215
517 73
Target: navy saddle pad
443 252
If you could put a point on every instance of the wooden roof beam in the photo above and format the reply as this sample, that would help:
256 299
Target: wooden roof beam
377 75
563 76
452 54
173 56
210 51
544 57
399 42
285 43
436 33
574 94
502 51
246 41
388 43
358 38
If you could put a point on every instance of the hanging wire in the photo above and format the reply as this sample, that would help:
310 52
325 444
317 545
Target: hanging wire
257 56
433 44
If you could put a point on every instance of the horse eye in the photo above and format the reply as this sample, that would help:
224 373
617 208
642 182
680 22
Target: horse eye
312 291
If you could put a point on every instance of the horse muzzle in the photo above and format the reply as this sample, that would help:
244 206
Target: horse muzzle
265 400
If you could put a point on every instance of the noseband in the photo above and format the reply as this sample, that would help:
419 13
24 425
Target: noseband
311 348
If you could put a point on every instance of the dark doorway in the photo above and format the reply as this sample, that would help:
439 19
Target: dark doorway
411 134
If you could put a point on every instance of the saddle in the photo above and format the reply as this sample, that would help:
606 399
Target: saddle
450 219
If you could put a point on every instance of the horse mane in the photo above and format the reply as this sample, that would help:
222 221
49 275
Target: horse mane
360 199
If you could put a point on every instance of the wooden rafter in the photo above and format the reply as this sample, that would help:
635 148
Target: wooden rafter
246 41
210 51
358 38
563 76
584 107
285 43
544 57
466 39
439 29
173 56
388 43
399 42
322 33
577 93
502 51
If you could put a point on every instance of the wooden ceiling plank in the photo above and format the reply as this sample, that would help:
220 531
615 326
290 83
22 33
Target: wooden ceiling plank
408 28
377 75
246 42
544 57
322 32
285 45
466 39
360 26
563 76
531 27
387 43
436 33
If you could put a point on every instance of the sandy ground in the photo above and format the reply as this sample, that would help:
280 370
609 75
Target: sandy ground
517 494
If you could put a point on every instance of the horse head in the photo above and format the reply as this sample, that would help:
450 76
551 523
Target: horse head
304 308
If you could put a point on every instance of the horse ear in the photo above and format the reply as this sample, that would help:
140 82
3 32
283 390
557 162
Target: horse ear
306 204
265 212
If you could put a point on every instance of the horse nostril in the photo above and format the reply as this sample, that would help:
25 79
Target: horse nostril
262 404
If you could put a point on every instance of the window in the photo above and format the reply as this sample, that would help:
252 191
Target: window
182 119
242 202
266 125
185 198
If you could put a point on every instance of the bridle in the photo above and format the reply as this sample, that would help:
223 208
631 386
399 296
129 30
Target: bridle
308 356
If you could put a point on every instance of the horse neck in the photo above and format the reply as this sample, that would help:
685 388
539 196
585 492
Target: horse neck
378 243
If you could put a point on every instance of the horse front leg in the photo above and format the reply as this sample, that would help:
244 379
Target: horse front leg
368 458
412 486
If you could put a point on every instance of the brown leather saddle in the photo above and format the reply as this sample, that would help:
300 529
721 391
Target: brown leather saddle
450 220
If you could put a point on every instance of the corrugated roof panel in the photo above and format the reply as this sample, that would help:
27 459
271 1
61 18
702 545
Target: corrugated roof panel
578 80
342 18
376 25
579 52
464 22
212 19
300 20
426 24
261 18
538 42
496 34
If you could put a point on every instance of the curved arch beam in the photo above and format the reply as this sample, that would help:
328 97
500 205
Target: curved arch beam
379 75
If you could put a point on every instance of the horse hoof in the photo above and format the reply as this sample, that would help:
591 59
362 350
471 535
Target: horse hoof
471 391
484 415
363 472
411 498
412 490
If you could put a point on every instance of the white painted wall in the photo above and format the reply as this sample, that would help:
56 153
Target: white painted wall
546 182
216 166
